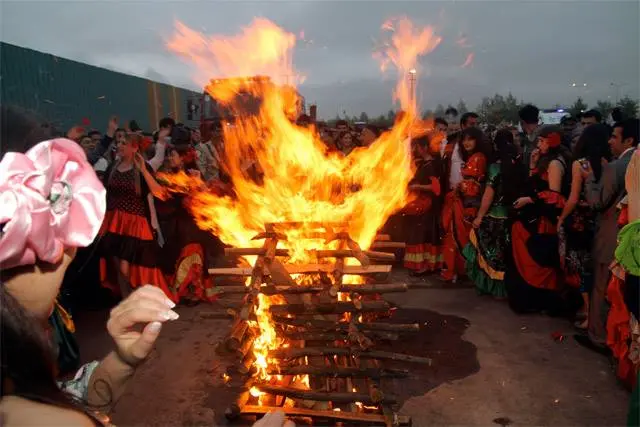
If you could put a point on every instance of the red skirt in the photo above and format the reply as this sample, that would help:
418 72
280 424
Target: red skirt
128 237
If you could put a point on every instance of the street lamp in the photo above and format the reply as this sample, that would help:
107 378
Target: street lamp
412 81
617 86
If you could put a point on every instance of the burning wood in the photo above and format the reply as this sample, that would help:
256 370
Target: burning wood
304 338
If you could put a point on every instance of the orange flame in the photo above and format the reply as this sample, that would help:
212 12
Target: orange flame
406 45
281 172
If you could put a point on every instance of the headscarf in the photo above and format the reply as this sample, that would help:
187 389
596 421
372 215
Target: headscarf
50 200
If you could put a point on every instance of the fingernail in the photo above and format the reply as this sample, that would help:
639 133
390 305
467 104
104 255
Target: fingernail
170 303
170 315
155 327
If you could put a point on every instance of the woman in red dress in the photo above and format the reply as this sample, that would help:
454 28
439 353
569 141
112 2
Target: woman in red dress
129 253
466 201
534 276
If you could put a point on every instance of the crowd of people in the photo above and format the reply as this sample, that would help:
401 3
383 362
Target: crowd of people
545 217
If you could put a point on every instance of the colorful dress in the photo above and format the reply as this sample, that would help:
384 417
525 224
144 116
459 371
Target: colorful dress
188 252
126 234
579 229
423 252
464 202
485 252
623 330
533 277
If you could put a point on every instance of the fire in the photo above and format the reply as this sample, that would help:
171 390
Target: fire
293 177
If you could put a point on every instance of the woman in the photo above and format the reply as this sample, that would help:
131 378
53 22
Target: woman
623 329
578 220
129 252
533 277
54 204
489 238
188 248
345 142
465 203
422 216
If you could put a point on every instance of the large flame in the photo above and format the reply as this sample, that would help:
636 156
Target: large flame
298 179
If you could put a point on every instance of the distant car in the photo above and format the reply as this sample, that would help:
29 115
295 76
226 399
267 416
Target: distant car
553 116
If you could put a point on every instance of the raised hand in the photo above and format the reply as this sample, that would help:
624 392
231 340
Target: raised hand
148 306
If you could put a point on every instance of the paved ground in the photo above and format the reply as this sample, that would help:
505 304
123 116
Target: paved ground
490 367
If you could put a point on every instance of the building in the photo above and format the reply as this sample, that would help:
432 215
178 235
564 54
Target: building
67 93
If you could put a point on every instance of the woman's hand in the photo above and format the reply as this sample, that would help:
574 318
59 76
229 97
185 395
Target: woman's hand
148 306
274 419
476 222
139 162
75 133
586 169
522 202
560 225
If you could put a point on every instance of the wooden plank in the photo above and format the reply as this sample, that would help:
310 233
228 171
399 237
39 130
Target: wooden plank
321 396
306 268
388 245
362 417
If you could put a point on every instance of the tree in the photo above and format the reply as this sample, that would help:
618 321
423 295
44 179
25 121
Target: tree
461 107
604 107
512 106
578 107
628 106
427 113
439 111
364 117
391 116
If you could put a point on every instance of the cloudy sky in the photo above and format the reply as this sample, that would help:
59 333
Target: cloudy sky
535 49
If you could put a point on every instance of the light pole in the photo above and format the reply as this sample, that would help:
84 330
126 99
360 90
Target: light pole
617 86
412 86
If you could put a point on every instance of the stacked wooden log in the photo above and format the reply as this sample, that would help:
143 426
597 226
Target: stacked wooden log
325 327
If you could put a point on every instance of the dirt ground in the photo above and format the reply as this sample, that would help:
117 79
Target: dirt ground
490 367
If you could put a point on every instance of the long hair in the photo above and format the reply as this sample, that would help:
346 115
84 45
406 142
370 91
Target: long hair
21 129
136 140
481 143
593 145
512 173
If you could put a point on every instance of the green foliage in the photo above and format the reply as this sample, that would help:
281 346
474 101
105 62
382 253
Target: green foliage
628 106
578 107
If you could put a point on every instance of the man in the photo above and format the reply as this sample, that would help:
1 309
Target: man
451 116
207 157
529 118
590 117
604 196
368 135
441 125
95 136
469 120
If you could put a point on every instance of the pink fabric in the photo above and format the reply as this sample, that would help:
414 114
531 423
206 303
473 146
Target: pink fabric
50 199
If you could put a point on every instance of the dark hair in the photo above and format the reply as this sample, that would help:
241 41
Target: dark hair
94 132
133 126
512 174
28 360
373 128
560 152
593 145
481 143
617 115
451 111
592 113
21 129
441 121
166 122
466 116
530 114
630 129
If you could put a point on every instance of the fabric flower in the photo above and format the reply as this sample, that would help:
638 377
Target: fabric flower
50 199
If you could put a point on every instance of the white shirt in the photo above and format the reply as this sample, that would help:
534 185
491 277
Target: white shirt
455 176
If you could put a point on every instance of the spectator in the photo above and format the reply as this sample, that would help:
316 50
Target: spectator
368 135
590 117
529 119
603 195
469 120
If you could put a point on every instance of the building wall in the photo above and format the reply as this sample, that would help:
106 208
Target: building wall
66 92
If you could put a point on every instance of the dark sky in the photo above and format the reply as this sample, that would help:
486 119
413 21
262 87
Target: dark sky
535 49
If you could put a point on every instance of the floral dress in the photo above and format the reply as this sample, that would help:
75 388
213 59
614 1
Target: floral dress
464 207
